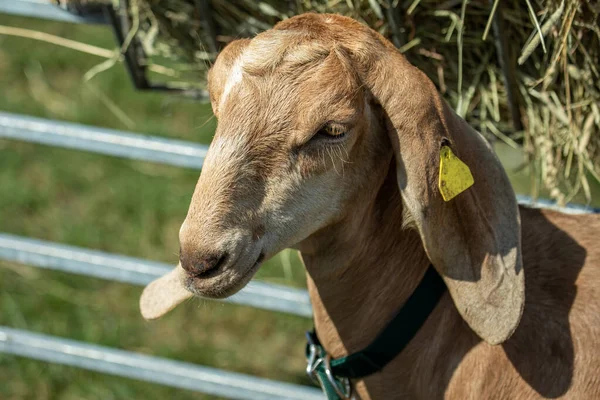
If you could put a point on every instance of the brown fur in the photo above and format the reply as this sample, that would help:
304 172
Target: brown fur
553 353
367 218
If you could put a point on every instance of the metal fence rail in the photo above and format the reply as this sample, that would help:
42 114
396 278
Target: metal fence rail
104 141
147 368
139 272
548 204
43 9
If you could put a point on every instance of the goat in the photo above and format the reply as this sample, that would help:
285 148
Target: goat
328 141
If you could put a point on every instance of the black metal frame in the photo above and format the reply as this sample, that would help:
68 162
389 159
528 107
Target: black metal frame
135 57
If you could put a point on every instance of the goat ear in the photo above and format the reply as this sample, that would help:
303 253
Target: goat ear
473 239
221 72
163 294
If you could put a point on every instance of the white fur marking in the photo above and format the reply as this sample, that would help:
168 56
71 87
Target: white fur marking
235 77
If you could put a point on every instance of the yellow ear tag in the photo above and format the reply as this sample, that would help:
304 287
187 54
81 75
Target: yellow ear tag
455 175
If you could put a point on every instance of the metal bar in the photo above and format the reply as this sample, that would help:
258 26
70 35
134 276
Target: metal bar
548 204
395 18
133 54
135 59
507 64
205 14
148 368
139 272
103 141
43 9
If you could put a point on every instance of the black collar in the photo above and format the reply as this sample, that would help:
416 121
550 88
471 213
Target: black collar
394 337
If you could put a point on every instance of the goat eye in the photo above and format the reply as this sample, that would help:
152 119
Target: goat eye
331 132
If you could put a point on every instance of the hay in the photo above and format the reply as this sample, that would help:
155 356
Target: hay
552 48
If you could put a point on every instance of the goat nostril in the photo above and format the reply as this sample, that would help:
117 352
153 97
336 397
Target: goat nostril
201 265
220 261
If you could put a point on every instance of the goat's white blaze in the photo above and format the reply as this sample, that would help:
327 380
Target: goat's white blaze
235 77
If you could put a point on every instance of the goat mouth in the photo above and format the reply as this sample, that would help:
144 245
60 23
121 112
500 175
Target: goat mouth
221 282
252 270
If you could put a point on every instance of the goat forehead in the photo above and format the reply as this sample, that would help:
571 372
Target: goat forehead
273 51
256 119
235 78
261 104
266 105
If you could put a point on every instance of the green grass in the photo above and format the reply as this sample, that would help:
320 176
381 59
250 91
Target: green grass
119 206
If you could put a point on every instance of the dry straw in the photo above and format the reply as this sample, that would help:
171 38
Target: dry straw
548 51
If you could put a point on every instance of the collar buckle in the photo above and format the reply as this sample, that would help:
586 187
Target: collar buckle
313 360
341 386
318 369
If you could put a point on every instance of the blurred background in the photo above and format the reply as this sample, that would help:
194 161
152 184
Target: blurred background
135 208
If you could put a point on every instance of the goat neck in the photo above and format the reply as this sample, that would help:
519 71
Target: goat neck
362 269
